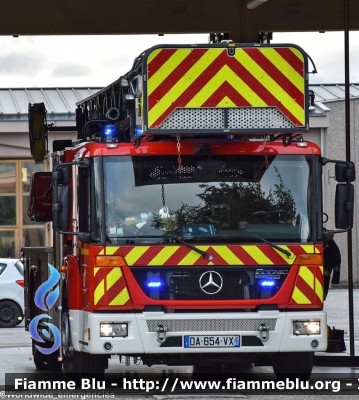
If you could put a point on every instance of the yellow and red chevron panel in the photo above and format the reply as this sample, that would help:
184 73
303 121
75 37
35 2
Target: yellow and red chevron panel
207 77
110 288
308 287
171 255
116 287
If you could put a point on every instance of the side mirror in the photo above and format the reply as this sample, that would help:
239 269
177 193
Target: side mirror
61 197
62 174
344 195
344 206
62 207
345 172
61 177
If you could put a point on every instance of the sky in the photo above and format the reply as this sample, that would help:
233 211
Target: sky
96 61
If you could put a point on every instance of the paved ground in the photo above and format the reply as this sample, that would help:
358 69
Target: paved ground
337 308
14 337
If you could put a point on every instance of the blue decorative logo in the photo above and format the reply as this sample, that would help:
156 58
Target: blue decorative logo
40 303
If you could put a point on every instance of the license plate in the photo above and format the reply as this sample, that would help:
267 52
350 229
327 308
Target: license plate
211 341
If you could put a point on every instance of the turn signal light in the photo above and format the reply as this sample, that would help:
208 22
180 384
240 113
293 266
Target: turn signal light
110 261
309 259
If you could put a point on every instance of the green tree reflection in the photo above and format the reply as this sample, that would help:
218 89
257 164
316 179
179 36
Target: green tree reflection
228 203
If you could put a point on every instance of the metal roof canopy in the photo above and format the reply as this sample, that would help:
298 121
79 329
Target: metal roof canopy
92 17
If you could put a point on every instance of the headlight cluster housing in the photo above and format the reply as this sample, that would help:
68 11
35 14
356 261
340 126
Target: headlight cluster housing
309 327
112 329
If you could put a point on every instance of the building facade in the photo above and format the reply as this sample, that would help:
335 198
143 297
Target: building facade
16 164
332 96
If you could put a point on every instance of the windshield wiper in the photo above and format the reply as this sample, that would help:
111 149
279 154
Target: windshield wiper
286 252
203 253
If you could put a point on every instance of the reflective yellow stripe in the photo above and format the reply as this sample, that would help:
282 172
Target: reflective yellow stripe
259 257
275 58
299 297
228 256
135 254
121 298
112 277
110 250
226 102
319 289
192 256
271 85
181 85
318 286
307 275
308 248
297 53
163 255
95 270
153 55
99 291
226 74
288 260
170 65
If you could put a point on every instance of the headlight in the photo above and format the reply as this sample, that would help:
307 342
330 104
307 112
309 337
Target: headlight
306 327
111 329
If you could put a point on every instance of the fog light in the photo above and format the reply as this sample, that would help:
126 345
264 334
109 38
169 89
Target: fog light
306 327
107 346
111 329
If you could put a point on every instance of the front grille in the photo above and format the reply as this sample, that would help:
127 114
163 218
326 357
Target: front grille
210 325
227 118
209 283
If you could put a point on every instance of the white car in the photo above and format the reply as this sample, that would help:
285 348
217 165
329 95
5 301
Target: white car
11 292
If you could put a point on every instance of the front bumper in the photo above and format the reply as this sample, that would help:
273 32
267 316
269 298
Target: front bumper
142 332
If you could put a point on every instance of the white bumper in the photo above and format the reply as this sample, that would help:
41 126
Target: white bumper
142 335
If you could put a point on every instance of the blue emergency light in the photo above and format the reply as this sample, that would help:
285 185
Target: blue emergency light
138 130
153 284
109 130
267 283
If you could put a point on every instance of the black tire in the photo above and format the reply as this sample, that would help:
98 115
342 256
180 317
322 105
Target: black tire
293 365
84 363
10 314
46 362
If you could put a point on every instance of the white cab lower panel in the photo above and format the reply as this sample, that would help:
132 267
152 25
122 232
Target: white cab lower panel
142 335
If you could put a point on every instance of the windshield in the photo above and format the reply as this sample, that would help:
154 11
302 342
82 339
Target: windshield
220 199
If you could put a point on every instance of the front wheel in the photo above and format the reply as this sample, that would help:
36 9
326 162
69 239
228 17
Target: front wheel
83 363
46 362
293 365
10 314
78 362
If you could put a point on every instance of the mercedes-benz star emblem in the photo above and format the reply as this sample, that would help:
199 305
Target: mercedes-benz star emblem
210 282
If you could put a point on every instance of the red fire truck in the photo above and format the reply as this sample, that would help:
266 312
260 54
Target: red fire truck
187 216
